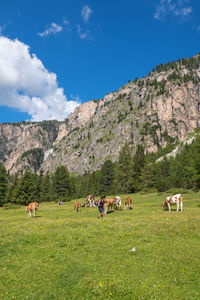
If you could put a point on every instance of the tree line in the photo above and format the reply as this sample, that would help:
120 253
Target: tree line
129 174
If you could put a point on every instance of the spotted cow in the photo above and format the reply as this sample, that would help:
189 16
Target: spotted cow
171 200
118 203
90 200
128 202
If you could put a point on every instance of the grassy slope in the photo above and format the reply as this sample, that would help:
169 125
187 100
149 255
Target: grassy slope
65 255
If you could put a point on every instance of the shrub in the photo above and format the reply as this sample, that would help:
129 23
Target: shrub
11 206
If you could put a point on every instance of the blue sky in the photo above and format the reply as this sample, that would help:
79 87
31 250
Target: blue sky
57 54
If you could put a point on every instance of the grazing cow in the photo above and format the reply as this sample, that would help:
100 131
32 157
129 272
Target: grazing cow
90 200
117 203
176 199
32 207
77 206
109 202
128 202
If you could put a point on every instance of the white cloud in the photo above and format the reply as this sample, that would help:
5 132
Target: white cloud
83 34
53 29
183 12
25 84
86 13
174 8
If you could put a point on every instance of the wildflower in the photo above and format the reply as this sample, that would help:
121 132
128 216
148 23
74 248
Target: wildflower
100 284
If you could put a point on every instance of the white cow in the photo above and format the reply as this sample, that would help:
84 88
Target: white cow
118 203
176 199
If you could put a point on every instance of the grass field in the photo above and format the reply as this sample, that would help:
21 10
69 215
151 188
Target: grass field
61 254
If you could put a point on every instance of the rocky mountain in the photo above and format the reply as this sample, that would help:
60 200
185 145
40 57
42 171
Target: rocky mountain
161 108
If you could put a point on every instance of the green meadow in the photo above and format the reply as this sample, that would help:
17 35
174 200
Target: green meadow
62 254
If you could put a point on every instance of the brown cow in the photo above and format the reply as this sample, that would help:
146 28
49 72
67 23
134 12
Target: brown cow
109 202
32 207
77 206
128 202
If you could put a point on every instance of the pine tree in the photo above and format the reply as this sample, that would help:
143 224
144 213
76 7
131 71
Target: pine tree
61 184
162 175
196 162
138 164
3 184
147 177
45 189
11 187
106 178
26 190
124 171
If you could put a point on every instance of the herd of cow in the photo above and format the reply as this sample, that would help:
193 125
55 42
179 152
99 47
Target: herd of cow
110 203
113 203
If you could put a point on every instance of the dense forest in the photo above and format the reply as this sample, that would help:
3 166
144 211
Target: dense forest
130 174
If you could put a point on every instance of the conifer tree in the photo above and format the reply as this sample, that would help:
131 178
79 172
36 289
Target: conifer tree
147 177
93 184
3 184
26 190
124 171
45 189
61 184
162 175
11 187
196 162
138 164
106 178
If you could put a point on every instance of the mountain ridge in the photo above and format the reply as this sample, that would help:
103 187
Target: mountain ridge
160 108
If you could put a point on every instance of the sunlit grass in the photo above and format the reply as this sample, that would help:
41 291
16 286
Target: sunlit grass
65 255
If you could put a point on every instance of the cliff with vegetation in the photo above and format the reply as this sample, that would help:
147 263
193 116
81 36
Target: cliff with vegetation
153 111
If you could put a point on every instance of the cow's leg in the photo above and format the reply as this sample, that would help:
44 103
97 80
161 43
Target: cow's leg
181 206
34 212
169 207
177 206
29 214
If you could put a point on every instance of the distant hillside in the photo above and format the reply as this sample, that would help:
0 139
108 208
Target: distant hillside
158 109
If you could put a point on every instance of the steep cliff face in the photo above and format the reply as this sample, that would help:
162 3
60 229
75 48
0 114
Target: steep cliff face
161 108
23 145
